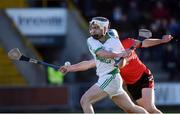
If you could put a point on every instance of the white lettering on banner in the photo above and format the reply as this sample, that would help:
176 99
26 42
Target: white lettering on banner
167 93
35 21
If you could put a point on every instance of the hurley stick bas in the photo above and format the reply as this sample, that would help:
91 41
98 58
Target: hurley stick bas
15 54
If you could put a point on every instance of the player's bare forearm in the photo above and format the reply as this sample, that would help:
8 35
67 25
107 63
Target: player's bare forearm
154 41
151 42
82 66
107 54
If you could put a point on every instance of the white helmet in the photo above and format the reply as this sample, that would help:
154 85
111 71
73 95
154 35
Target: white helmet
145 33
102 23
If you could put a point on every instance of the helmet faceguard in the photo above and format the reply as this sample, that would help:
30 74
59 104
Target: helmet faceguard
98 27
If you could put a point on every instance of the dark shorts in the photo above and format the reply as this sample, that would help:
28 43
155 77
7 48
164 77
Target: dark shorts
146 81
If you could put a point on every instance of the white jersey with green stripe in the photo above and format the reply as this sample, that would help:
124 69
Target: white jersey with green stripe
112 44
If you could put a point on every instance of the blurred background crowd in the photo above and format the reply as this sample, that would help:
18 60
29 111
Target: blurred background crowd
160 16
55 31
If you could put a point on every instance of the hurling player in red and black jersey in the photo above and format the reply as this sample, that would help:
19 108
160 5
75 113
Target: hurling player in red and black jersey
137 77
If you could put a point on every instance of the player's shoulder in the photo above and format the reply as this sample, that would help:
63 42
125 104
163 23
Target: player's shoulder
90 39
128 40
113 33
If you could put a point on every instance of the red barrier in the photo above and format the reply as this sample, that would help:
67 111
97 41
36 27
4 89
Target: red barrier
34 96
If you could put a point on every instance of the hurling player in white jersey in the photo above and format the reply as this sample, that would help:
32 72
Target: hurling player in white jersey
105 48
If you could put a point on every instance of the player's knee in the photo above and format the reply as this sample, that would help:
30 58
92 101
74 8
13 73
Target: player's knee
84 100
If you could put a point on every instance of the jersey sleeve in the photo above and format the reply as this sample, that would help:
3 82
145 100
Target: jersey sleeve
94 46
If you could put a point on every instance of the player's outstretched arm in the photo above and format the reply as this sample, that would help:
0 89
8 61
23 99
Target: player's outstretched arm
81 66
154 41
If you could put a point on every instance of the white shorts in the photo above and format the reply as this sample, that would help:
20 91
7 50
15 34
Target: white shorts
111 84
